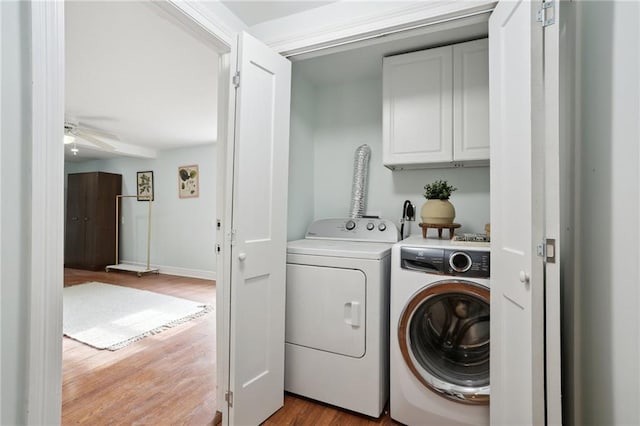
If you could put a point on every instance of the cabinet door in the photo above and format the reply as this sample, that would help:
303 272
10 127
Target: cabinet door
103 222
74 250
91 237
417 107
471 100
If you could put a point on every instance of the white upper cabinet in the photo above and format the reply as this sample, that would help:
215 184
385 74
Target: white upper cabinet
436 107
417 107
471 100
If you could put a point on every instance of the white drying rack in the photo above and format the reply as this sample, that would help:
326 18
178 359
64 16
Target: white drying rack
138 269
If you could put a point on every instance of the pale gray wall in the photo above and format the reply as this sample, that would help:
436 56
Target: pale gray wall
183 230
301 156
15 195
609 213
344 117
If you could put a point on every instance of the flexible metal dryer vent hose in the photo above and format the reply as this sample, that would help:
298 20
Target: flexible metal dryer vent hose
359 185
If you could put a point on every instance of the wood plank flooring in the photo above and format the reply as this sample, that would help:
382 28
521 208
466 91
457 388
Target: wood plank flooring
168 378
165 379
300 411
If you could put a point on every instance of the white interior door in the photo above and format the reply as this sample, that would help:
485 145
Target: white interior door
517 179
258 247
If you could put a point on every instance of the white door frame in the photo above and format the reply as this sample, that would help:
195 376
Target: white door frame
44 364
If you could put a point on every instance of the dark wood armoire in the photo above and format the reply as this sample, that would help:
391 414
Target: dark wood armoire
90 232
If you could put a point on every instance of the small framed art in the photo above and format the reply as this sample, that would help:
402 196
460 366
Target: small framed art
145 186
188 181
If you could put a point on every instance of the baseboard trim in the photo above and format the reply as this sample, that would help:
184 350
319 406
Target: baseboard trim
176 270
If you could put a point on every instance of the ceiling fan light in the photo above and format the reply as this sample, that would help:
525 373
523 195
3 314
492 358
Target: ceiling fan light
69 139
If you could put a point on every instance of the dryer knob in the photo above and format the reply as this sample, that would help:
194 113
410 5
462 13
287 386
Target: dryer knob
370 226
350 225
382 227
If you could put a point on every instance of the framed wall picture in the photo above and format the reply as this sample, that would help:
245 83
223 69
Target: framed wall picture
144 186
188 181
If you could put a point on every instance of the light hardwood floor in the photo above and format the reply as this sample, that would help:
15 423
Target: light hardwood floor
168 378
165 379
301 411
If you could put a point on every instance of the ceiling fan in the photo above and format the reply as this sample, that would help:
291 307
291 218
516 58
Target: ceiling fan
74 130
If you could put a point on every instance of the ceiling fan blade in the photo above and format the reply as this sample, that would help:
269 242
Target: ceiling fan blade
95 132
95 117
91 139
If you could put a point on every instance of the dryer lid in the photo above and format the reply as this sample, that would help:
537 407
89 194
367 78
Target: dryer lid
336 248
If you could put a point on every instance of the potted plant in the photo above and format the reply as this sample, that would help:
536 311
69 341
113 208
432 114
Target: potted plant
437 209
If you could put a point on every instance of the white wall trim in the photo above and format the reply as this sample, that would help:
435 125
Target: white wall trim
226 119
214 20
349 21
176 270
0 202
44 368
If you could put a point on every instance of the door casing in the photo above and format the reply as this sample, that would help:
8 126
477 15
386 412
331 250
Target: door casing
44 360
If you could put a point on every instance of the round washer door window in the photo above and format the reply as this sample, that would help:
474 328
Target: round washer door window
444 339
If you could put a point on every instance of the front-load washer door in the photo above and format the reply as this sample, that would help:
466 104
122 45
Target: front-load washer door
325 309
443 335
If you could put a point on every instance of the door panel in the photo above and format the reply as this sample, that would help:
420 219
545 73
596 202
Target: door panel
74 251
418 102
471 100
258 256
517 286
332 297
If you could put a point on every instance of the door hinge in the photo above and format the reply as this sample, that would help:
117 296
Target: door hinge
236 79
228 396
218 224
547 13
547 250
218 248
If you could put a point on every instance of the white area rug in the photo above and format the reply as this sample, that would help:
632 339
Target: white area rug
111 317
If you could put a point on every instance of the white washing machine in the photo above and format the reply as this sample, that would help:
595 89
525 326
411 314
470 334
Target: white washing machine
439 344
337 313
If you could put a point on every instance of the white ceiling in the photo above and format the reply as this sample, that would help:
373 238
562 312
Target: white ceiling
256 12
134 72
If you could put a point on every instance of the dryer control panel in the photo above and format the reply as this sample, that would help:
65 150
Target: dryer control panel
371 230
444 261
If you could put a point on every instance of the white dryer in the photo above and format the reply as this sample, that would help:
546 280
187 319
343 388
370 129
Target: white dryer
439 334
337 310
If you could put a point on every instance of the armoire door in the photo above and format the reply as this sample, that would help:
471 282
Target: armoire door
92 191
74 252
100 225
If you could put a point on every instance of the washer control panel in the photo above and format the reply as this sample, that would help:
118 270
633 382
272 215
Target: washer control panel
356 229
444 261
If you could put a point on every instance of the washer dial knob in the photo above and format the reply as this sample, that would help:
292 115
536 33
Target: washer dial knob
460 261
370 226
350 225
382 227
